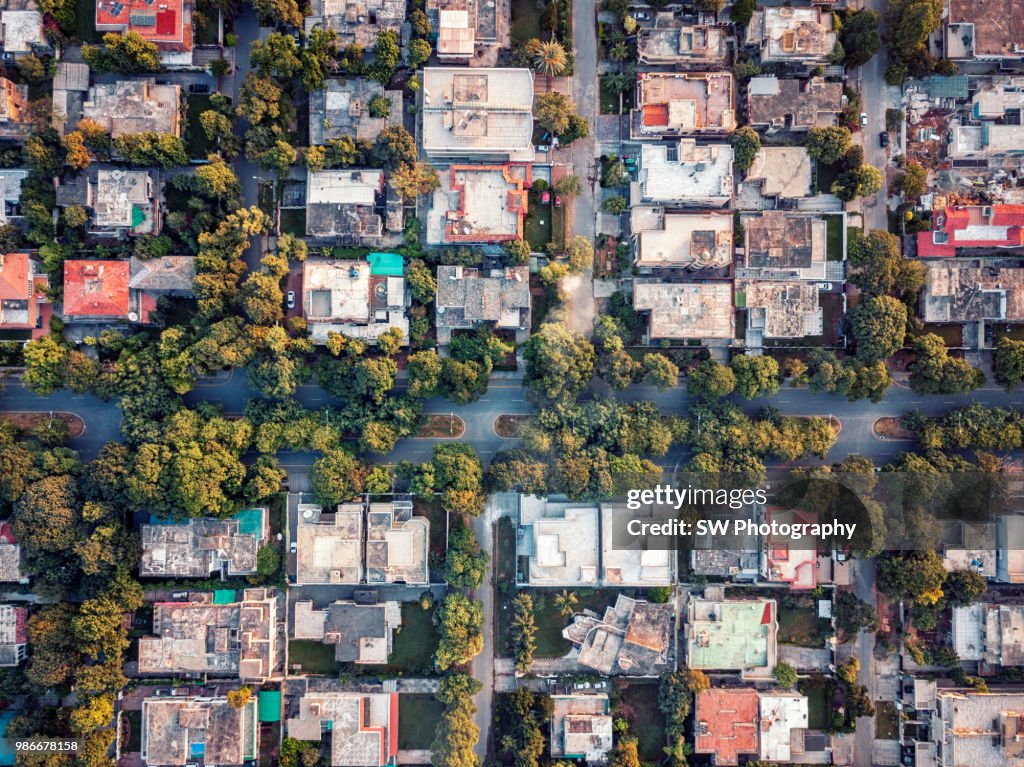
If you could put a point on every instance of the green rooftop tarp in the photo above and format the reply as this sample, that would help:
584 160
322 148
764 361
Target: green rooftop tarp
224 596
138 215
386 264
270 705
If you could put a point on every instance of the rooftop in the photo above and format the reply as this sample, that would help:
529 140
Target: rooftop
581 727
993 28
726 723
169 24
783 720
357 21
329 546
671 41
479 203
14 114
631 638
1010 551
134 106
236 640
168 275
792 34
686 310
991 633
980 728
480 113
344 202
692 241
781 309
782 245
973 291
13 634
10 556
468 298
342 108
19 307
348 297
985 141
359 633
793 104
972 226
200 547
363 727
782 171
732 635
71 77
96 290
22 31
177 731
124 199
396 544
675 103
685 174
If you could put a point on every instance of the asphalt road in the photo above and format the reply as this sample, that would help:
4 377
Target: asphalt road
874 101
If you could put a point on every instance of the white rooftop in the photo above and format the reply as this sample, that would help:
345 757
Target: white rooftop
686 173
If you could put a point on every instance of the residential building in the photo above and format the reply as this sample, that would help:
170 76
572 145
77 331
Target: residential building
990 635
155 278
690 242
397 544
360 299
793 105
784 245
732 635
567 544
777 309
15 121
733 556
22 296
477 114
469 298
676 310
978 729
780 173
957 230
135 106
70 86
785 34
1010 548
13 634
10 194
783 723
167 25
357 22
581 727
479 204
975 144
345 205
363 727
213 634
632 638
342 108
970 546
684 175
122 202
359 633
10 556
672 41
203 546
985 30
973 291
329 545
455 22
181 731
783 560
97 291
670 104
22 32
726 721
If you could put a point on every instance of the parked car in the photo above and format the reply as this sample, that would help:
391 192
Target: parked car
883 139
294 547
558 201
290 299
863 119
198 88
179 595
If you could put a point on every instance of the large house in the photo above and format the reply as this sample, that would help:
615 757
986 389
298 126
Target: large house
684 175
168 25
962 229
732 635
479 204
22 296
362 726
672 104
469 298
178 731
786 34
135 106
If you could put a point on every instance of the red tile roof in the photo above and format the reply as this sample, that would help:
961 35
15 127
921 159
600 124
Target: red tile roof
726 721
17 285
655 114
168 23
951 220
96 289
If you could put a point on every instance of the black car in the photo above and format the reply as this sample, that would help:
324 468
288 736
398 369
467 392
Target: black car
883 138
198 88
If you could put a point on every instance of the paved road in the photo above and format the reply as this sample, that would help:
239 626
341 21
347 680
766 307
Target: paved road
864 587
874 101
483 664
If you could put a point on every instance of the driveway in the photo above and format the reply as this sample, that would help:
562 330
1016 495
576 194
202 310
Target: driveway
805 659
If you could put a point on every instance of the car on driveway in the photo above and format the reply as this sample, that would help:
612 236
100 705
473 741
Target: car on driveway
198 88
290 299
863 119
883 139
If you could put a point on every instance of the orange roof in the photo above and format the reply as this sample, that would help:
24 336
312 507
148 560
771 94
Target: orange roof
168 23
96 289
655 114
19 300
14 271
726 723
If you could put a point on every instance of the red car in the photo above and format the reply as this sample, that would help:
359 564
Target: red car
558 201
545 197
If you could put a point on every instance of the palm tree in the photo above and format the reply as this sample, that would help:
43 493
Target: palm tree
565 600
547 57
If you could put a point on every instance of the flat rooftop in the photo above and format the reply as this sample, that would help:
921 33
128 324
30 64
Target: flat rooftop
980 728
198 548
732 635
726 724
782 171
363 727
686 310
357 22
344 202
686 174
973 291
581 727
672 41
360 634
783 245
632 637
996 26
561 545
397 544
479 204
342 108
22 31
792 34
468 297
178 731
134 106
681 103
692 241
794 104
781 309
329 545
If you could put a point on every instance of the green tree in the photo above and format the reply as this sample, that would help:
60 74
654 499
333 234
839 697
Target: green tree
276 55
742 11
523 631
378 437
879 326
711 380
746 143
616 205
162 149
272 12
394 147
879 267
755 376
964 587
660 371
413 180
862 181
239 698
465 565
552 111
565 601
336 477
828 145
860 38
379 106
460 625
547 57
559 362
785 675
912 181
916 575
1009 362
126 53
44 365
419 53
424 374
386 56
421 281
933 371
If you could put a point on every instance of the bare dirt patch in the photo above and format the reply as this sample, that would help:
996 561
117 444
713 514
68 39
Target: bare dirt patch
26 420
890 427
441 426
507 426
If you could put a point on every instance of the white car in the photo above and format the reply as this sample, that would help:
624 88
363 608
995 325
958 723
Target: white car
290 299
863 119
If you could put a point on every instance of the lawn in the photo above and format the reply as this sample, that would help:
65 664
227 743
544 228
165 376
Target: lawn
639 707
834 238
293 221
558 225
197 144
887 721
953 335
415 643
818 709
827 175
525 21
85 21
433 511
537 228
312 657
801 626
133 721
418 717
